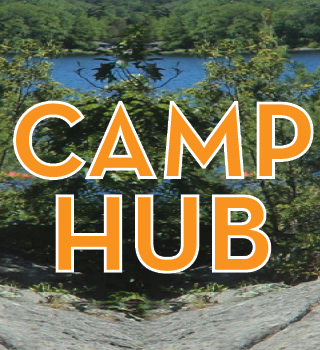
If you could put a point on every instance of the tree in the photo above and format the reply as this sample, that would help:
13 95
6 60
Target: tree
266 73
24 81
131 59
149 114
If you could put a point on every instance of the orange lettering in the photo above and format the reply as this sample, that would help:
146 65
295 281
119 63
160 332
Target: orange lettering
189 235
223 230
181 132
267 152
23 140
67 241
136 159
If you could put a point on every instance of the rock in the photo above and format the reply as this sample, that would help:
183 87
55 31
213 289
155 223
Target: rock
303 334
26 272
259 289
203 299
240 325
62 297
195 297
259 317
29 327
23 271
204 274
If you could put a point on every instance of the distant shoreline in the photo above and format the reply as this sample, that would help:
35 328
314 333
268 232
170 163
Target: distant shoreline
304 49
178 52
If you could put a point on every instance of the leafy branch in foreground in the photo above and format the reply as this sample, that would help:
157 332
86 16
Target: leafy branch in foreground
131 59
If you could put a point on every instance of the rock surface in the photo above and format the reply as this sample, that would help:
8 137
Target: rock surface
286 318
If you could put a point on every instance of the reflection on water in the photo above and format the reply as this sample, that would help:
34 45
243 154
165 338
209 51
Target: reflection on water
64 71
192 69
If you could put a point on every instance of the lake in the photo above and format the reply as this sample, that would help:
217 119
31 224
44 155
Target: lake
192 69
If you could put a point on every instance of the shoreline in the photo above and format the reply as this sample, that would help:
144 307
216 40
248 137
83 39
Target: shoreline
177 52
304 49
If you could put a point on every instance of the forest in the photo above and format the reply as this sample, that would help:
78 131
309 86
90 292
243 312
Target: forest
33 31
292 200
177 24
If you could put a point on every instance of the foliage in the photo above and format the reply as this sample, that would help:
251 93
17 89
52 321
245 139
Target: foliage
296 23
24 80
179 24
263 73
131 302
131 59
266 73
208 288
149 115
48 288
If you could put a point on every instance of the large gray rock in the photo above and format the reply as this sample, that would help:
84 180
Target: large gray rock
303 334
238 325
284 319
30 326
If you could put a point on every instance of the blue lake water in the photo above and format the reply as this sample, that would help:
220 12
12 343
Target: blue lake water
64 71
192 69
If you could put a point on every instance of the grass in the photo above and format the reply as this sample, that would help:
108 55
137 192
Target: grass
48 288
212 287
56 302
133 303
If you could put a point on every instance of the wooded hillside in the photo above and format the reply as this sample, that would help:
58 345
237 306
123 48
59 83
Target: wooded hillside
180 24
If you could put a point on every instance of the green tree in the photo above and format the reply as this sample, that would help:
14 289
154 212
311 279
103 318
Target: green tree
24 81
149 114
266 73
